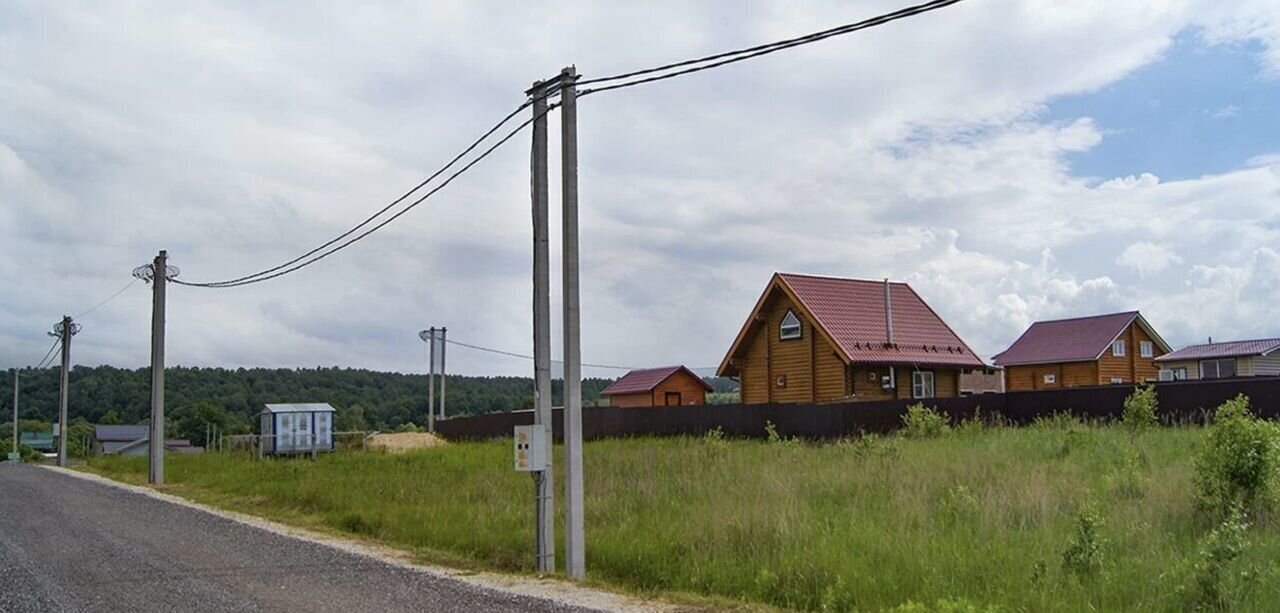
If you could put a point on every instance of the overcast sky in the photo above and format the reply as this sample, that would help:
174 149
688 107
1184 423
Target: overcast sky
1012 160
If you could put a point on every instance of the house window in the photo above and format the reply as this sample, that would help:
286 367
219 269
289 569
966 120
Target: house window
1050 379
1218 369
1116 380
790 328
1146 349
1173 374
1117 348
921 384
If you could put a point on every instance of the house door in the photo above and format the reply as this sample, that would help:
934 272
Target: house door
671 399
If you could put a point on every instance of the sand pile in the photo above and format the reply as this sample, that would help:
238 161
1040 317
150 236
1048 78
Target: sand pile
404 441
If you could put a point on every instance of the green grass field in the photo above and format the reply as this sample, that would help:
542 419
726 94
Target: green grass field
979 518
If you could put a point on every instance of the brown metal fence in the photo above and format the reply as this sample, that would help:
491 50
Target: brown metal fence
1180 402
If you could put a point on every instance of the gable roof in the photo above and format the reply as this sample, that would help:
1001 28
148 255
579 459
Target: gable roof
645 379
1229 349
1079 339
301 407
121 433
851 315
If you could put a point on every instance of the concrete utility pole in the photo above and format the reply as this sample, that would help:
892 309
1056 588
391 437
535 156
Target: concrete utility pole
64 331
575 550
14 449
444 344
159 273
429 335
544 480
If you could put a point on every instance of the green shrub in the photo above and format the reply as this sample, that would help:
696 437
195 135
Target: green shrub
28 454
1083 555
972 425
1128 480
924 422
1237 462
1213 586
1140 409
714 440
944 605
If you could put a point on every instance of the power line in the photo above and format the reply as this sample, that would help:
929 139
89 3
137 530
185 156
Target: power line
109 299
529 357
730 57
280 270
46 357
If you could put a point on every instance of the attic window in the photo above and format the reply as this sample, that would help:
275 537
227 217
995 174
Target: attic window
790 328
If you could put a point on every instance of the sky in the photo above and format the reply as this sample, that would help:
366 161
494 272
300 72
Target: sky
1012 160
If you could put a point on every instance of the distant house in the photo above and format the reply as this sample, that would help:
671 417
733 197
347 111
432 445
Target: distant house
111 439
297 428
1220 360
652 387
822 339
1097 350
133 440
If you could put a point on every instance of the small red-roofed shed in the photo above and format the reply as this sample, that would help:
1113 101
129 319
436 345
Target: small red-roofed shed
668 386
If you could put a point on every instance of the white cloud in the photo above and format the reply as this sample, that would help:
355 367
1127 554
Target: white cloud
1147 258
238 136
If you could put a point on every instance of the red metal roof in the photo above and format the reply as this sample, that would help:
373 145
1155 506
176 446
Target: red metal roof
1082 339
1229 349
853 314
645 379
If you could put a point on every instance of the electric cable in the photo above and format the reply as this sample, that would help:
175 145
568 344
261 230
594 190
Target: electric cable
109 299
731 57
268 273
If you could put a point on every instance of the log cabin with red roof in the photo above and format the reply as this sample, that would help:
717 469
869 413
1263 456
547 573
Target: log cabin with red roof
669 386
812 339
1117 348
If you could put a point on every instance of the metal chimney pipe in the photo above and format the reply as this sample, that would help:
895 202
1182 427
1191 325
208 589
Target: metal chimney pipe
888 314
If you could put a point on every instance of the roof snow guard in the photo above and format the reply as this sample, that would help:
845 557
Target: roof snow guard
869 322
645 379
1080 339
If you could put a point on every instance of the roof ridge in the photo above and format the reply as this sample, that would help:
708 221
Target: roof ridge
839 278
1083 317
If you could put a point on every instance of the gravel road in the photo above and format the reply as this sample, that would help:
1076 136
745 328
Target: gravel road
67 544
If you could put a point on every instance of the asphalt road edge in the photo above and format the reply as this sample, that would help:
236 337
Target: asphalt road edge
546 588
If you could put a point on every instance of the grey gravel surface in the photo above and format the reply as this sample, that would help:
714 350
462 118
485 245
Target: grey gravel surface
68 544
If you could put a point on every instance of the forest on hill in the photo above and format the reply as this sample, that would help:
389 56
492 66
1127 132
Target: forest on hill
232 398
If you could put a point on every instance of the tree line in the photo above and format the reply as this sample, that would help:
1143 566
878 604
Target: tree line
232 398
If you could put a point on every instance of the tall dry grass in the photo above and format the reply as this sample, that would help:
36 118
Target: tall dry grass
979 516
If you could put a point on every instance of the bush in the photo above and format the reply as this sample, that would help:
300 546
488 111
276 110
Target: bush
1140 409
1237 462
1128 480
1213 587
28 454
1083 555
923 422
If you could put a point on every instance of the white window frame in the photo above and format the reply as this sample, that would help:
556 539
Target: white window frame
792 329
1146 349
1117 348
922 384
1050 379
1117 381
1179 373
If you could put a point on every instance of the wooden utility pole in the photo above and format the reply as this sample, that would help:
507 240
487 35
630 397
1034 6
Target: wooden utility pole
544 480
64 330
575 550
159 269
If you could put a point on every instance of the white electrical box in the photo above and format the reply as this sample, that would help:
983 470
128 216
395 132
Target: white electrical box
531 448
